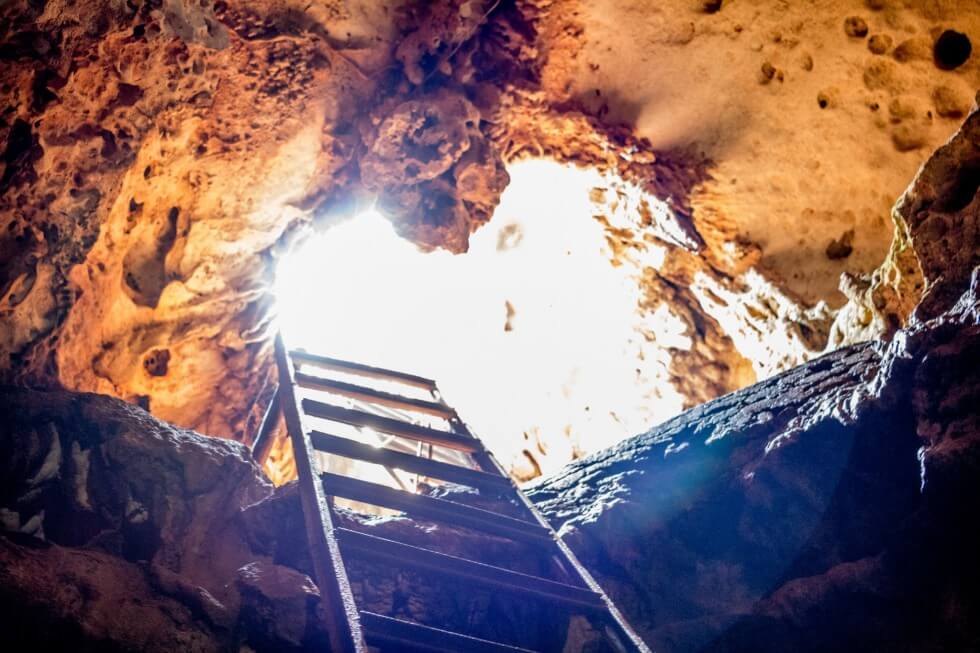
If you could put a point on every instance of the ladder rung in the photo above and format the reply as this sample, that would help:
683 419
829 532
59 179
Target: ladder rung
373 396
448 512
390 426
409 462
401 555
361 369
406 635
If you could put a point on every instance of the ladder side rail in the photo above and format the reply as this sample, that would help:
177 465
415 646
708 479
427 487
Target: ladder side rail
489 463
265 436
340 610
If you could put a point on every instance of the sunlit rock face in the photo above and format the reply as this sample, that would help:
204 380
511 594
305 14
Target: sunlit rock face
158 158
153 153
768 519
819 509
823 508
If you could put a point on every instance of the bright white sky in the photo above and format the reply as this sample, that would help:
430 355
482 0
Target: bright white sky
569 374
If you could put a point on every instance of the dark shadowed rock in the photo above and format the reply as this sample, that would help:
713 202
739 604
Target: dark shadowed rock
941 211
58 599
121 532
830 506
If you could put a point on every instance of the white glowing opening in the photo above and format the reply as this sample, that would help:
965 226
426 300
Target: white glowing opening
532 335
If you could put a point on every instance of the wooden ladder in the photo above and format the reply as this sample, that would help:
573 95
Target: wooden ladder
464 462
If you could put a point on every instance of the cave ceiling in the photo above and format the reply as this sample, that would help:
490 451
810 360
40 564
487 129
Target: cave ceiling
159 157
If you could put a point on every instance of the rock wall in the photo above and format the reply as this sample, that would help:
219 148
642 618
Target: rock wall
825 508
121 532
155 152
158 156
829 504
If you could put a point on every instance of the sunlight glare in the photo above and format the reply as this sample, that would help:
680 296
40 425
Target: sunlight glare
532 335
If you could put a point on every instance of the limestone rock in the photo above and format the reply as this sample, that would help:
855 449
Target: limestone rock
125 532
820 507
767 519
158 158
57 598
941 212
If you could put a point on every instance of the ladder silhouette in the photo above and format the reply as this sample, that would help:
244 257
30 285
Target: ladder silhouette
455 456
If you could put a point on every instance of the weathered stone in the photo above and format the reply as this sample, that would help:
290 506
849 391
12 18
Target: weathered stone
156 160
136 536
56 599
825 505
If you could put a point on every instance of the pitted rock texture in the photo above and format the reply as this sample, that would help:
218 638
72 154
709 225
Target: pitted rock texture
435 173
158 158
120 532
825 508
941 212
935 246
822 508
155 151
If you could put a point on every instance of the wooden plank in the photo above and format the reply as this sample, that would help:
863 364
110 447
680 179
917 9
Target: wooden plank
391 426
340 611
373 396
360 369
409 636
441 510
405 555
348 448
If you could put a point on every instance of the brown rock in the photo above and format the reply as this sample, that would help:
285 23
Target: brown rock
841 247
913 49
879 43
942 218
710 6
855 27
951 102
57 598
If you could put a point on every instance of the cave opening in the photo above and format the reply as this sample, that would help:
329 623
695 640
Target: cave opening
535 334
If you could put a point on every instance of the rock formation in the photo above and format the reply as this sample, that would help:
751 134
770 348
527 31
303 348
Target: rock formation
829 506
159 156
121 532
